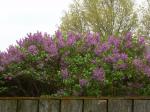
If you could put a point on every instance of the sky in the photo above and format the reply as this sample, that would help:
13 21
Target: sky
19 17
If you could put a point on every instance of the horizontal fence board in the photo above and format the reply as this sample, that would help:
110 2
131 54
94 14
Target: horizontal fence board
71 105
95 105
8 105
141 105
119 105
49 105
75 104
76 98
27 106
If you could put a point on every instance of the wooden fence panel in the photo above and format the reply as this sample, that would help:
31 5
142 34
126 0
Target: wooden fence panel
71 105
119 105
8 105
27 106
75 105
95 106
49 105
141 105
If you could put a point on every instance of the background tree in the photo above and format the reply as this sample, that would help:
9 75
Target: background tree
145 20
104 16
74 19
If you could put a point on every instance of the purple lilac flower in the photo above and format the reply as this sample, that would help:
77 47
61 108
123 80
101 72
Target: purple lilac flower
2 58
97 36
128 36
31 39
111 39
83 82
123 56
108 59
105 47
21 42
115 50
65 73
138 63
53 49
59 34
61 43
97 50
36 37
141 40
147 70
128 44
115 57
78 36
14 54
148 57
50 47
101 48
98 74
60 40
71 39
33 49
63 63
114 41
91 40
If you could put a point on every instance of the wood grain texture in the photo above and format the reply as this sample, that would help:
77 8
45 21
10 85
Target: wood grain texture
71 105
49 105
8 105
95 106
141 105
119 105
27 106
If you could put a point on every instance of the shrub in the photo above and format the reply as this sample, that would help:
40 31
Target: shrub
75 64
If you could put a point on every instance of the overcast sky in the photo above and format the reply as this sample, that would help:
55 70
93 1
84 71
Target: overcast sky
19 17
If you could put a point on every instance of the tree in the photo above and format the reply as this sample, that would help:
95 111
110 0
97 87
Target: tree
145 20
104 16
74 19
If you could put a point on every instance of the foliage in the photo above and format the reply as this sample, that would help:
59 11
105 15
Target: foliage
144 28
105 16
75 64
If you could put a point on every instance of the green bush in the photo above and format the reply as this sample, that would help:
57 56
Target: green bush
75 64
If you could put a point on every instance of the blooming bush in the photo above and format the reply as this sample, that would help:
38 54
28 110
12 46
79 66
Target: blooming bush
75 64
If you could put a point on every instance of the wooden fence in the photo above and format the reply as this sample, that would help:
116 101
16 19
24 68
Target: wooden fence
75 104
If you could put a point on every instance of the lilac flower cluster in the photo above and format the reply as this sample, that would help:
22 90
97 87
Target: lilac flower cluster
142 40
141 66
83 82
98 74
65 73
128 40
13 55
91 39
114 41
71 40
33 49
101 48
50 46
114 58
61 42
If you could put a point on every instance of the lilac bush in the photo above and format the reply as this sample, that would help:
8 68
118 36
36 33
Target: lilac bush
75 64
